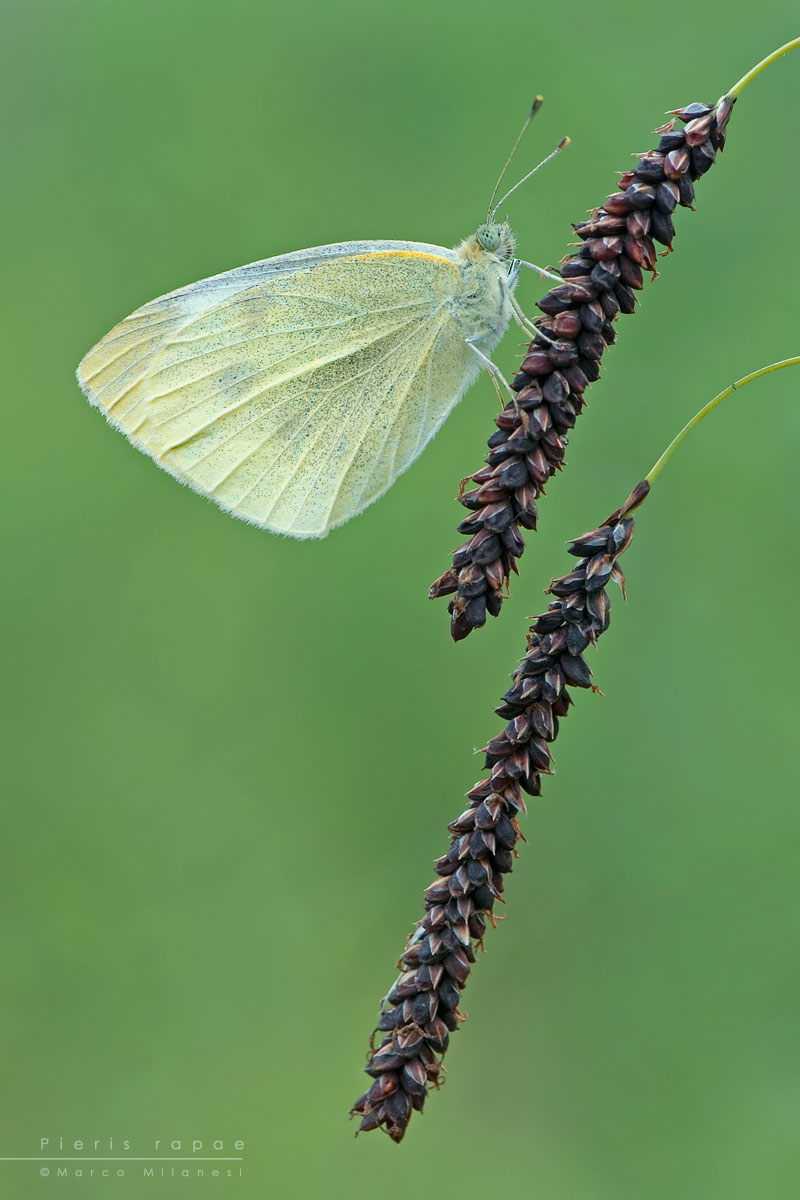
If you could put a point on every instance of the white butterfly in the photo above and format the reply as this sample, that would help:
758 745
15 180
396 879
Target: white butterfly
293 392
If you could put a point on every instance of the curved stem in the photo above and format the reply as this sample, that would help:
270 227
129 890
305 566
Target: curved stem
765 62
697 418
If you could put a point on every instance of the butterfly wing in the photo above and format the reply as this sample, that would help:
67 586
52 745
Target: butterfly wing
293 391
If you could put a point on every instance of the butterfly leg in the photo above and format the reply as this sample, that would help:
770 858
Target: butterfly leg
525 323
496 374
540 270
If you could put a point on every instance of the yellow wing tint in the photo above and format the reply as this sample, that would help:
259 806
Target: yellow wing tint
291 397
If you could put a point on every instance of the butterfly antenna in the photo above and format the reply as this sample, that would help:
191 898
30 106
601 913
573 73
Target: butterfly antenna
562 145
537 104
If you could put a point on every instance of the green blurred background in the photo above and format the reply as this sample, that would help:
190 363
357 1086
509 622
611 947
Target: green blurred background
231 757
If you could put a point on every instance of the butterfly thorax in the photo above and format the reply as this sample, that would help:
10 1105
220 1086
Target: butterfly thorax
483 306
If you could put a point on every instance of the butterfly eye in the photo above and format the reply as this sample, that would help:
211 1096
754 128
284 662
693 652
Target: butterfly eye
489 237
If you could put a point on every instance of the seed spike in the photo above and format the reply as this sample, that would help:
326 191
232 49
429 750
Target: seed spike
600 279
424 1006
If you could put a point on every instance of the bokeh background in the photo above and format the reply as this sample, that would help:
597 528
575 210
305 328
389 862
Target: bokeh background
230 758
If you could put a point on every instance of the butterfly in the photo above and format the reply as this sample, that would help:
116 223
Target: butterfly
295 390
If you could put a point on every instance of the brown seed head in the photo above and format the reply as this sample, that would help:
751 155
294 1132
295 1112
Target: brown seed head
422 1008
601 280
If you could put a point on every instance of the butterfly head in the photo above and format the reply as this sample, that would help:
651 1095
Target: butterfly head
496 239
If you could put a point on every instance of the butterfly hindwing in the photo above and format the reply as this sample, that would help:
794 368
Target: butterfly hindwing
291 392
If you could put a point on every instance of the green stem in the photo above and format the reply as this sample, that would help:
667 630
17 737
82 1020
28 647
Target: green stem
765 62
697 418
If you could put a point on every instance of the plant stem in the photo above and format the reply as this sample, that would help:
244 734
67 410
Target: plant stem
765 62
698 417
